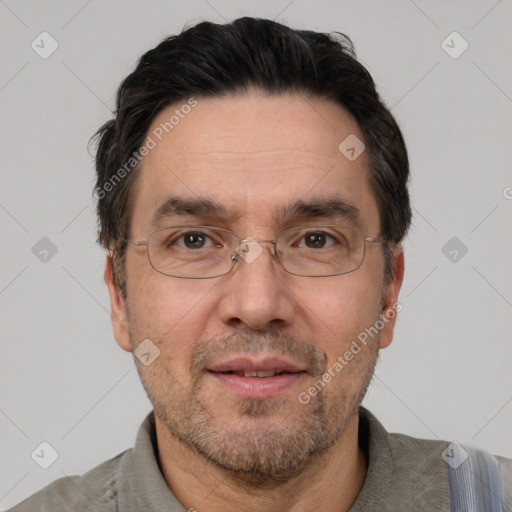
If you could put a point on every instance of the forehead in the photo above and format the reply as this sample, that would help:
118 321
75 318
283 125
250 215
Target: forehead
253 154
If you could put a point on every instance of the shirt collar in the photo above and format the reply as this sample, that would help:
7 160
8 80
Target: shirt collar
142 485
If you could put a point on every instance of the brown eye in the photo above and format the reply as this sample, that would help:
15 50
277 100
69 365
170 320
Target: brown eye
194 240
315 240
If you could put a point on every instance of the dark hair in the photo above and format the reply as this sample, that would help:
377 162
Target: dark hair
210 59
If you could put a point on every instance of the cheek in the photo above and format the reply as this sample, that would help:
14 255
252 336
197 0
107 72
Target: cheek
339 309
170 312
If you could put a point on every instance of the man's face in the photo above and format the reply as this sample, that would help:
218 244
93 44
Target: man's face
255 156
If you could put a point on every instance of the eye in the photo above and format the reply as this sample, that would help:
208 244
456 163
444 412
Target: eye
316 240
195 240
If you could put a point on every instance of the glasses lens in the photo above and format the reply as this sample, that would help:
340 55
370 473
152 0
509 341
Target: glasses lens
320 250
192 251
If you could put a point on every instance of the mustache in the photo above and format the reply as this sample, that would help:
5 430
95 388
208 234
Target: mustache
207 351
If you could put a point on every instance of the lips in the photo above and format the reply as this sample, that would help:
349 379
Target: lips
256 377
245 366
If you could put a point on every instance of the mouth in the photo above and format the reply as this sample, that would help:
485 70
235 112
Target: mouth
256 378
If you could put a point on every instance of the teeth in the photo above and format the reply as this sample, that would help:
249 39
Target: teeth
268 373
262 373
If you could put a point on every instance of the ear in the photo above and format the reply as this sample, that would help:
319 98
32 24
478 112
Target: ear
391 306
118 309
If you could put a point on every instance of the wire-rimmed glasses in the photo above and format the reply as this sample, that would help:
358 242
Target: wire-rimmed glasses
204 252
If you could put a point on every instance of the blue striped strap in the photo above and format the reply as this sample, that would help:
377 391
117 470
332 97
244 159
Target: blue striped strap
474 477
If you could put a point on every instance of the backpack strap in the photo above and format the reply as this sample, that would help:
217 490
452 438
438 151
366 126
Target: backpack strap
474 477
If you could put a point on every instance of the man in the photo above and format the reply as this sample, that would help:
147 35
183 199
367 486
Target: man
252 197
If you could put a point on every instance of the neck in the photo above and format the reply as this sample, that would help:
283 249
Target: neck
334 478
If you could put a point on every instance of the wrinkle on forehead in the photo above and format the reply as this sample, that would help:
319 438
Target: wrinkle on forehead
255 162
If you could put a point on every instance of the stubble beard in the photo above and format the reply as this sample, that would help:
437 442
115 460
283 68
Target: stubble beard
273 441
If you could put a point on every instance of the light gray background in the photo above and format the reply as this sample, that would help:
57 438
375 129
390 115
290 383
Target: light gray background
63 378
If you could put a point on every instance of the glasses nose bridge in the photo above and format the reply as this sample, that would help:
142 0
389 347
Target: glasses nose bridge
243 249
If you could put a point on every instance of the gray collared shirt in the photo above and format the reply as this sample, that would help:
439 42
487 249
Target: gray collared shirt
404 474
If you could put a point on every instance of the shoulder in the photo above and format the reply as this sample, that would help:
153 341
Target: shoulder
406 472
422 469
468 470
95 491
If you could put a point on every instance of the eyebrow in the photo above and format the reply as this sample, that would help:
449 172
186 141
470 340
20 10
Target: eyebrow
192 206
331 208
335 208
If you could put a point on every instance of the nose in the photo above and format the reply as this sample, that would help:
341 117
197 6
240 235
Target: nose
256 295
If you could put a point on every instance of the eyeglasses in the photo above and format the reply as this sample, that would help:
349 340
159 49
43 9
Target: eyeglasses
204 252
